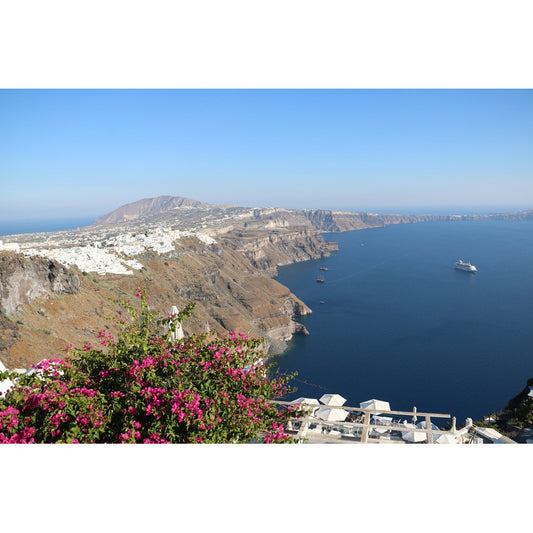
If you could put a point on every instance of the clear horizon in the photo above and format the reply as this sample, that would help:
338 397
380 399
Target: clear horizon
67 153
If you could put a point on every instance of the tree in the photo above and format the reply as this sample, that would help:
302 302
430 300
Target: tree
143 388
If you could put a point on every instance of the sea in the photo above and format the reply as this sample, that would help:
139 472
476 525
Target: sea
15 227
394 320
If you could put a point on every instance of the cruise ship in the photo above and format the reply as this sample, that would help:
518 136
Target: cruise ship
465 266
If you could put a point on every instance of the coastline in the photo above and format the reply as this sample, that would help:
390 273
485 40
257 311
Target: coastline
415 327
230 272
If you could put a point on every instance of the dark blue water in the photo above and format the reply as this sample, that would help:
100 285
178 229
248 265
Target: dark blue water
12 227
399 323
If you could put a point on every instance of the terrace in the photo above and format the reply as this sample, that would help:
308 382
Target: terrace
376 425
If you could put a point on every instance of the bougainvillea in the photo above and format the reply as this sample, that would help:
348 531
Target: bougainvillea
144 388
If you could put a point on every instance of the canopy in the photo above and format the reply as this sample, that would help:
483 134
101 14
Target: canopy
332 399
414 436
375 404
446 438
302 399
309 408
422 425
331 415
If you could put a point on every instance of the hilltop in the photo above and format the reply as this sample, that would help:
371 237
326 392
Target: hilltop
148 207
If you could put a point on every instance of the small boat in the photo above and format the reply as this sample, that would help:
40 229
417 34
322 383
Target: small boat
322 302
320 280
324 268
467 267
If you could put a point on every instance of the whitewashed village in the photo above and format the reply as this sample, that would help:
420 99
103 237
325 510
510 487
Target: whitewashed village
110 256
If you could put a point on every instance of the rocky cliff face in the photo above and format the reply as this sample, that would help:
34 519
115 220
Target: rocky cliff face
333 221
232 291
8 333
336 221
520 215
23 279
268 249
49 307
325 220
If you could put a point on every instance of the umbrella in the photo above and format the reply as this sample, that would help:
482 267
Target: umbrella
302 400
414 436
380 430
422 425
331 415
446 438
332 399
375 404
178 333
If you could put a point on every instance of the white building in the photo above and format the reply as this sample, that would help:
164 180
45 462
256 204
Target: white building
10 246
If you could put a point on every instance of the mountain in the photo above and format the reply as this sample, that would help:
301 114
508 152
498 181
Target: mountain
45 306
148 207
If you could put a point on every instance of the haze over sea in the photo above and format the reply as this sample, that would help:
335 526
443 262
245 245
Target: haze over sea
12 227
399 323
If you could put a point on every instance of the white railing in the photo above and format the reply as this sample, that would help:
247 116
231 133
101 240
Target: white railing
368 420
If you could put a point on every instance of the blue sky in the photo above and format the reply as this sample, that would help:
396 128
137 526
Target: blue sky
87 152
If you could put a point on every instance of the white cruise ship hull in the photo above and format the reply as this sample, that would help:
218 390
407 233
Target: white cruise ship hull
465 267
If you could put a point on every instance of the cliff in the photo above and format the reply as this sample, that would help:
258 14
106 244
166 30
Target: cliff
23 279
325 220
222 257
266 250
516 419
333 221
47 306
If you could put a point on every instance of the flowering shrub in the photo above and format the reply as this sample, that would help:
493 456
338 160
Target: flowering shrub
143 388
